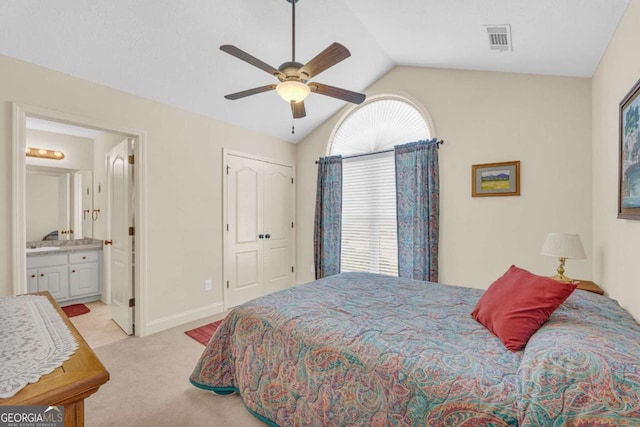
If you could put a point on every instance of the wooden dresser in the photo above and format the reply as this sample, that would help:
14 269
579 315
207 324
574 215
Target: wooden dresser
77 378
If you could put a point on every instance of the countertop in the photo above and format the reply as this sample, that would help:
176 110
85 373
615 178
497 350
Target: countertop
48 250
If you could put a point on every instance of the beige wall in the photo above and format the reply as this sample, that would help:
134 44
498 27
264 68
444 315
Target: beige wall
616 242
184 156
485 117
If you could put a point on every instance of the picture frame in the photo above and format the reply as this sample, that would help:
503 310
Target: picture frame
495 179
629 158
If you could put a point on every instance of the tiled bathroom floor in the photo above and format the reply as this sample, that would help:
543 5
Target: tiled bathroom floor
96 327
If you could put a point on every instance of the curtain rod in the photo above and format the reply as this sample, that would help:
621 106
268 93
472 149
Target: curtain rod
440 142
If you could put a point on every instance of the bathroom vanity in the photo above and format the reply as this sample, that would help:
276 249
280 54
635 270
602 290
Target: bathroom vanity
70 273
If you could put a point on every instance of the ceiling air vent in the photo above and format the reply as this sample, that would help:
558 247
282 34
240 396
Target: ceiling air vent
499 37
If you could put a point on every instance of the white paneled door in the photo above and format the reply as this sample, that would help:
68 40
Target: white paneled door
119 243
244 261
278 227
258 229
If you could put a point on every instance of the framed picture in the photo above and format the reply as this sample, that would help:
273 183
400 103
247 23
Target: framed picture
495 179
629 162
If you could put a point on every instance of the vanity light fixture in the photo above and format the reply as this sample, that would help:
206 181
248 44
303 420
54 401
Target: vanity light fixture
44 153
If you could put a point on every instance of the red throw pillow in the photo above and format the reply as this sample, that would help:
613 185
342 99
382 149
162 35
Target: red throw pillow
518 303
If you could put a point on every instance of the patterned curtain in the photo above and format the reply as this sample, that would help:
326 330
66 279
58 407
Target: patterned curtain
328 220
418 200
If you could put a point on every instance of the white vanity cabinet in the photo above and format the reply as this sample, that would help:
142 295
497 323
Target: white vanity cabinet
71 277
49 273
84 273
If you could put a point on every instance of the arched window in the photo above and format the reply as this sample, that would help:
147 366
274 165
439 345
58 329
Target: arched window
365 138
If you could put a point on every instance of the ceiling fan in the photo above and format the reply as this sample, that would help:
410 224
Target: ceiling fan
294 77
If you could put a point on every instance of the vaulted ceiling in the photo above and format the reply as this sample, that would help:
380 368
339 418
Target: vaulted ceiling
168 50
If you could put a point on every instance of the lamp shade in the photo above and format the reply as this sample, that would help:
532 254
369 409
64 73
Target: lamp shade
293 91
561 245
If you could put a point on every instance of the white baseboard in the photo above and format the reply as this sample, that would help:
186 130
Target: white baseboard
174 320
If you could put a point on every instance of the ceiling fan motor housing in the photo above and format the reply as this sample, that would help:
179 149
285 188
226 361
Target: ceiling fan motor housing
291 72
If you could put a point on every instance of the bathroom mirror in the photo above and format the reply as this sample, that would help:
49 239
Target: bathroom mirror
59 203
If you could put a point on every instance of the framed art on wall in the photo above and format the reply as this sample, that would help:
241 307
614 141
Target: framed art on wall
629 162
495 179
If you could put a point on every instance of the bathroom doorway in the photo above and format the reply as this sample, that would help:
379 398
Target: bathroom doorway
89 223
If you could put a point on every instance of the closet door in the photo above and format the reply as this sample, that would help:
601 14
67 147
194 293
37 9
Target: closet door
278 227
244 257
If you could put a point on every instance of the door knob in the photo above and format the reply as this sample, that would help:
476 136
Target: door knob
108 242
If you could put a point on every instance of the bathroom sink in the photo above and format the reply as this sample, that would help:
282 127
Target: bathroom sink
43 249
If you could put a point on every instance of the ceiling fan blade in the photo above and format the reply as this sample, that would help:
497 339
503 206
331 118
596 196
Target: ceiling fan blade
250 92
336 92
298 110
325 59
241 54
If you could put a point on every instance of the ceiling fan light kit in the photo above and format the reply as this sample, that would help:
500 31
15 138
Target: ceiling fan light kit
293 91
294 86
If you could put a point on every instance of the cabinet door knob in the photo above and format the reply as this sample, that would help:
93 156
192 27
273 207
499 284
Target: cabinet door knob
260 236
108 242
73 271
33 275
84 257
267 236
41 274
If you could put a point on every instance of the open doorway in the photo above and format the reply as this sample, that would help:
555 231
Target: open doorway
88 205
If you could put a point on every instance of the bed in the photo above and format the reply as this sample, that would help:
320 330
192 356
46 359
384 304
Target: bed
366 349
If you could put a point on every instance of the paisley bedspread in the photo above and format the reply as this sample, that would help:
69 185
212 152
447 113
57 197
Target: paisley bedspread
365 349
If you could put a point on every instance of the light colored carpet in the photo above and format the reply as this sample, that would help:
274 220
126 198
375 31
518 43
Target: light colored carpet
149 386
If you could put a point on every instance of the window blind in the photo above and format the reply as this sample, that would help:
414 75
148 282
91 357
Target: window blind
369 230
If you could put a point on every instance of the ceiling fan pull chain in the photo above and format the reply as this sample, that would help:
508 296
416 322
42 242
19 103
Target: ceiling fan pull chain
293 128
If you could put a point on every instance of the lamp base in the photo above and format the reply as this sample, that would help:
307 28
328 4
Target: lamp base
563 278
560 277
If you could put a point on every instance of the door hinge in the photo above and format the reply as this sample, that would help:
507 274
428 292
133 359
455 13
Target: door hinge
132 159
228 169
291 224
132 302
227 284
227 227
292 180
132 231
292 268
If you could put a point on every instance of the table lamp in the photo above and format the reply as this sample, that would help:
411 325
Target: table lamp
563 246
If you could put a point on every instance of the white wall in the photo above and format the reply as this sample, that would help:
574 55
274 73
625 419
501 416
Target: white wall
616 242
184 194
41 202
486 117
